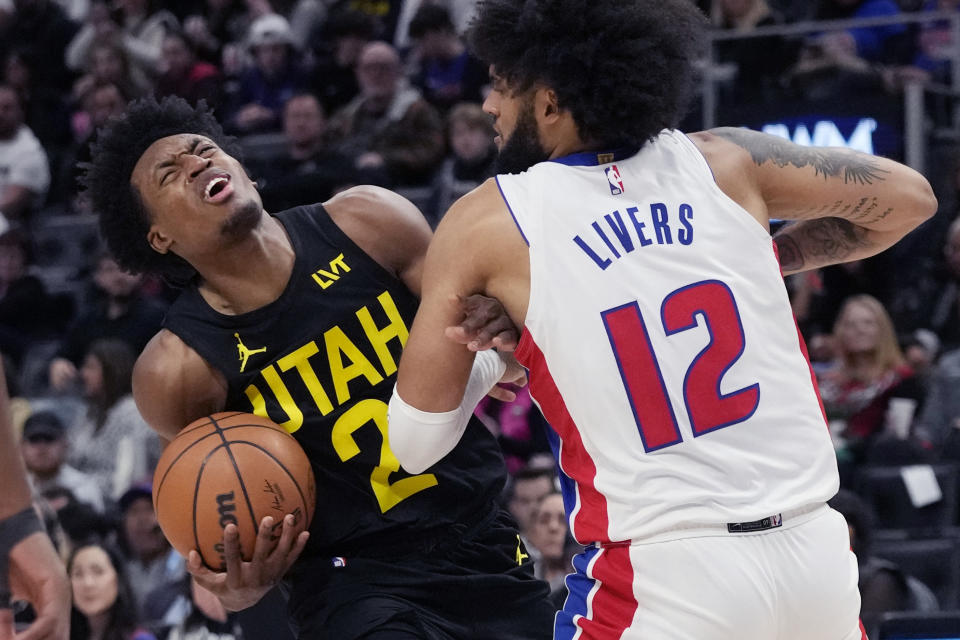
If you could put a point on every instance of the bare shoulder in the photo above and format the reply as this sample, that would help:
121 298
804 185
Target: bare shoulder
733 167
173 385
481 208
386 226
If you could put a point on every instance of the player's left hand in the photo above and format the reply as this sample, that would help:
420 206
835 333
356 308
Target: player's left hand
484 324
244 583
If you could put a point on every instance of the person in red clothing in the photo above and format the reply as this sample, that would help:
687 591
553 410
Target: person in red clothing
186 76
869 370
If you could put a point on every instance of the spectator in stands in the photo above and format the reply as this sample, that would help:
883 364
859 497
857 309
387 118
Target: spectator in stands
308 171
447 73
470 161
868 372
80 521
274 78
149 560
524 491
341 39
883 585
184 75
935 42
389 123
44 447
103 608
550 534
139 28
939 422
119 311
99 104
24 171
108 64
112 442
873 44
45 107
215 24
186 611
26 311
758 76
42 27
939 306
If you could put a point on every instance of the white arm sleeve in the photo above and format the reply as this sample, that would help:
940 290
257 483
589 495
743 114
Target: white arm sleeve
420 439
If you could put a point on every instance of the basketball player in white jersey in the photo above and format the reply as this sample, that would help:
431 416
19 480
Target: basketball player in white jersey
694 455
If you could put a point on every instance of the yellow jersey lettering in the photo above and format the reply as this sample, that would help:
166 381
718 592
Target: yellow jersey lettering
256 401
339 345
326 278
380 337
294 415
388 494
299 360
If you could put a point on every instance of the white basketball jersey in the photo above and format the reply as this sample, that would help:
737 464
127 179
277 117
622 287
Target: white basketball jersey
662 348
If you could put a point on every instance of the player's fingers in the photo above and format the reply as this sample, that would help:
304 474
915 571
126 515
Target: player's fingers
231 555
298 547
502 394
52 608
458 335
287 536
6 624
506 340
266 538
204 576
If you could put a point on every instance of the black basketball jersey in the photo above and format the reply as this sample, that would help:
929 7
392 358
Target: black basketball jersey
321 360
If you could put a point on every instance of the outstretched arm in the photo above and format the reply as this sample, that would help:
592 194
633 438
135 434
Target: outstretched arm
847 205
29 566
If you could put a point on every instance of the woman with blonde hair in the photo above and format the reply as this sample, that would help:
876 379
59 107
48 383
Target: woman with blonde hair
869 369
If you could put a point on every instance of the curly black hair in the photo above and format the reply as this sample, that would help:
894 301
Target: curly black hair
624 70
124 219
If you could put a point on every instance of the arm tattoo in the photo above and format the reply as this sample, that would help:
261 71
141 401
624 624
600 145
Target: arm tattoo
854 167
817 243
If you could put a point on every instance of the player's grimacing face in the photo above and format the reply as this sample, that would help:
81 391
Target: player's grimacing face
195 192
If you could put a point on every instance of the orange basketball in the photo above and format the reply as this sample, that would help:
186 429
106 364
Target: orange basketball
230 468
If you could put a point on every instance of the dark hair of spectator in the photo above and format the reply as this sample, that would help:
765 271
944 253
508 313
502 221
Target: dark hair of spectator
16 94
181 35
124 219
117 359
526 473
430 18
623 70
123 619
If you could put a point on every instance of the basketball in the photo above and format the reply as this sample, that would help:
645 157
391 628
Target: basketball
230 468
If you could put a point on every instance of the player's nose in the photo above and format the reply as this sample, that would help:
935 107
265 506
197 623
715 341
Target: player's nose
194 165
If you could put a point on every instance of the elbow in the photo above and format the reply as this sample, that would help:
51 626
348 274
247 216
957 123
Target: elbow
403 446
923 202
928 206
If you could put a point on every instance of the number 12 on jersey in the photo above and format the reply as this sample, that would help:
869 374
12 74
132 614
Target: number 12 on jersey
707 408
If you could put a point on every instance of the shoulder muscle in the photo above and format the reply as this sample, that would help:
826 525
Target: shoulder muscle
173 385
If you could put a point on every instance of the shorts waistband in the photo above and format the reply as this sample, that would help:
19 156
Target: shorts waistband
782 520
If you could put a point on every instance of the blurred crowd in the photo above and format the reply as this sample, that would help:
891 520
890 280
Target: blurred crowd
325 94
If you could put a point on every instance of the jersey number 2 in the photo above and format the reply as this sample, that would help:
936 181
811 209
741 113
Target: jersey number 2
707 407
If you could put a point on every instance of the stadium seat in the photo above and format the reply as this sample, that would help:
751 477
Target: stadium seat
939 625
882 488
935 562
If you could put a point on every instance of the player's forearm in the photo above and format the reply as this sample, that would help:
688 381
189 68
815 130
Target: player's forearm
812 244
15 496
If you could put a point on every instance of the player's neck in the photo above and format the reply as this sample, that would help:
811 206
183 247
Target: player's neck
251 274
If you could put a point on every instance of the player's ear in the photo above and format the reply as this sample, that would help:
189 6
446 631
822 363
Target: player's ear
547 103
159 241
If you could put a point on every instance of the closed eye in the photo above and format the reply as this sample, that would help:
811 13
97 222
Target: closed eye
205 149
163 178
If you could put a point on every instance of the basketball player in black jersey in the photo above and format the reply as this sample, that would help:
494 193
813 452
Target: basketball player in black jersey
300 316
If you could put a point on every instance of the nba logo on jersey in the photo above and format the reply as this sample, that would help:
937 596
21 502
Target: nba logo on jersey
776 521
613 177
338 561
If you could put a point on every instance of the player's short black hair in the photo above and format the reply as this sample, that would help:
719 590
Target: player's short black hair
430 18
624 70
124 219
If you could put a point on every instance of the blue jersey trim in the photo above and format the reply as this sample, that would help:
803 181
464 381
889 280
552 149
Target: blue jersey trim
596 158
510 209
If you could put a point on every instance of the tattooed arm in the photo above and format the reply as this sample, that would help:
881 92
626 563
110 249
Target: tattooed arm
847 205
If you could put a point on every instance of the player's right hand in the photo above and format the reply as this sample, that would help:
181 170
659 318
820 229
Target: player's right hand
244 583
37 575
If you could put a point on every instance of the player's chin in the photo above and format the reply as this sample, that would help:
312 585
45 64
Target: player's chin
244 218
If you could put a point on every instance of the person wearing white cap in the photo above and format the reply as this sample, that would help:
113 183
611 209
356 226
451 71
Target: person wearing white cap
273 78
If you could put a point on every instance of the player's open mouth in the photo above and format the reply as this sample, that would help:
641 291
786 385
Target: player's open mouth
218 188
